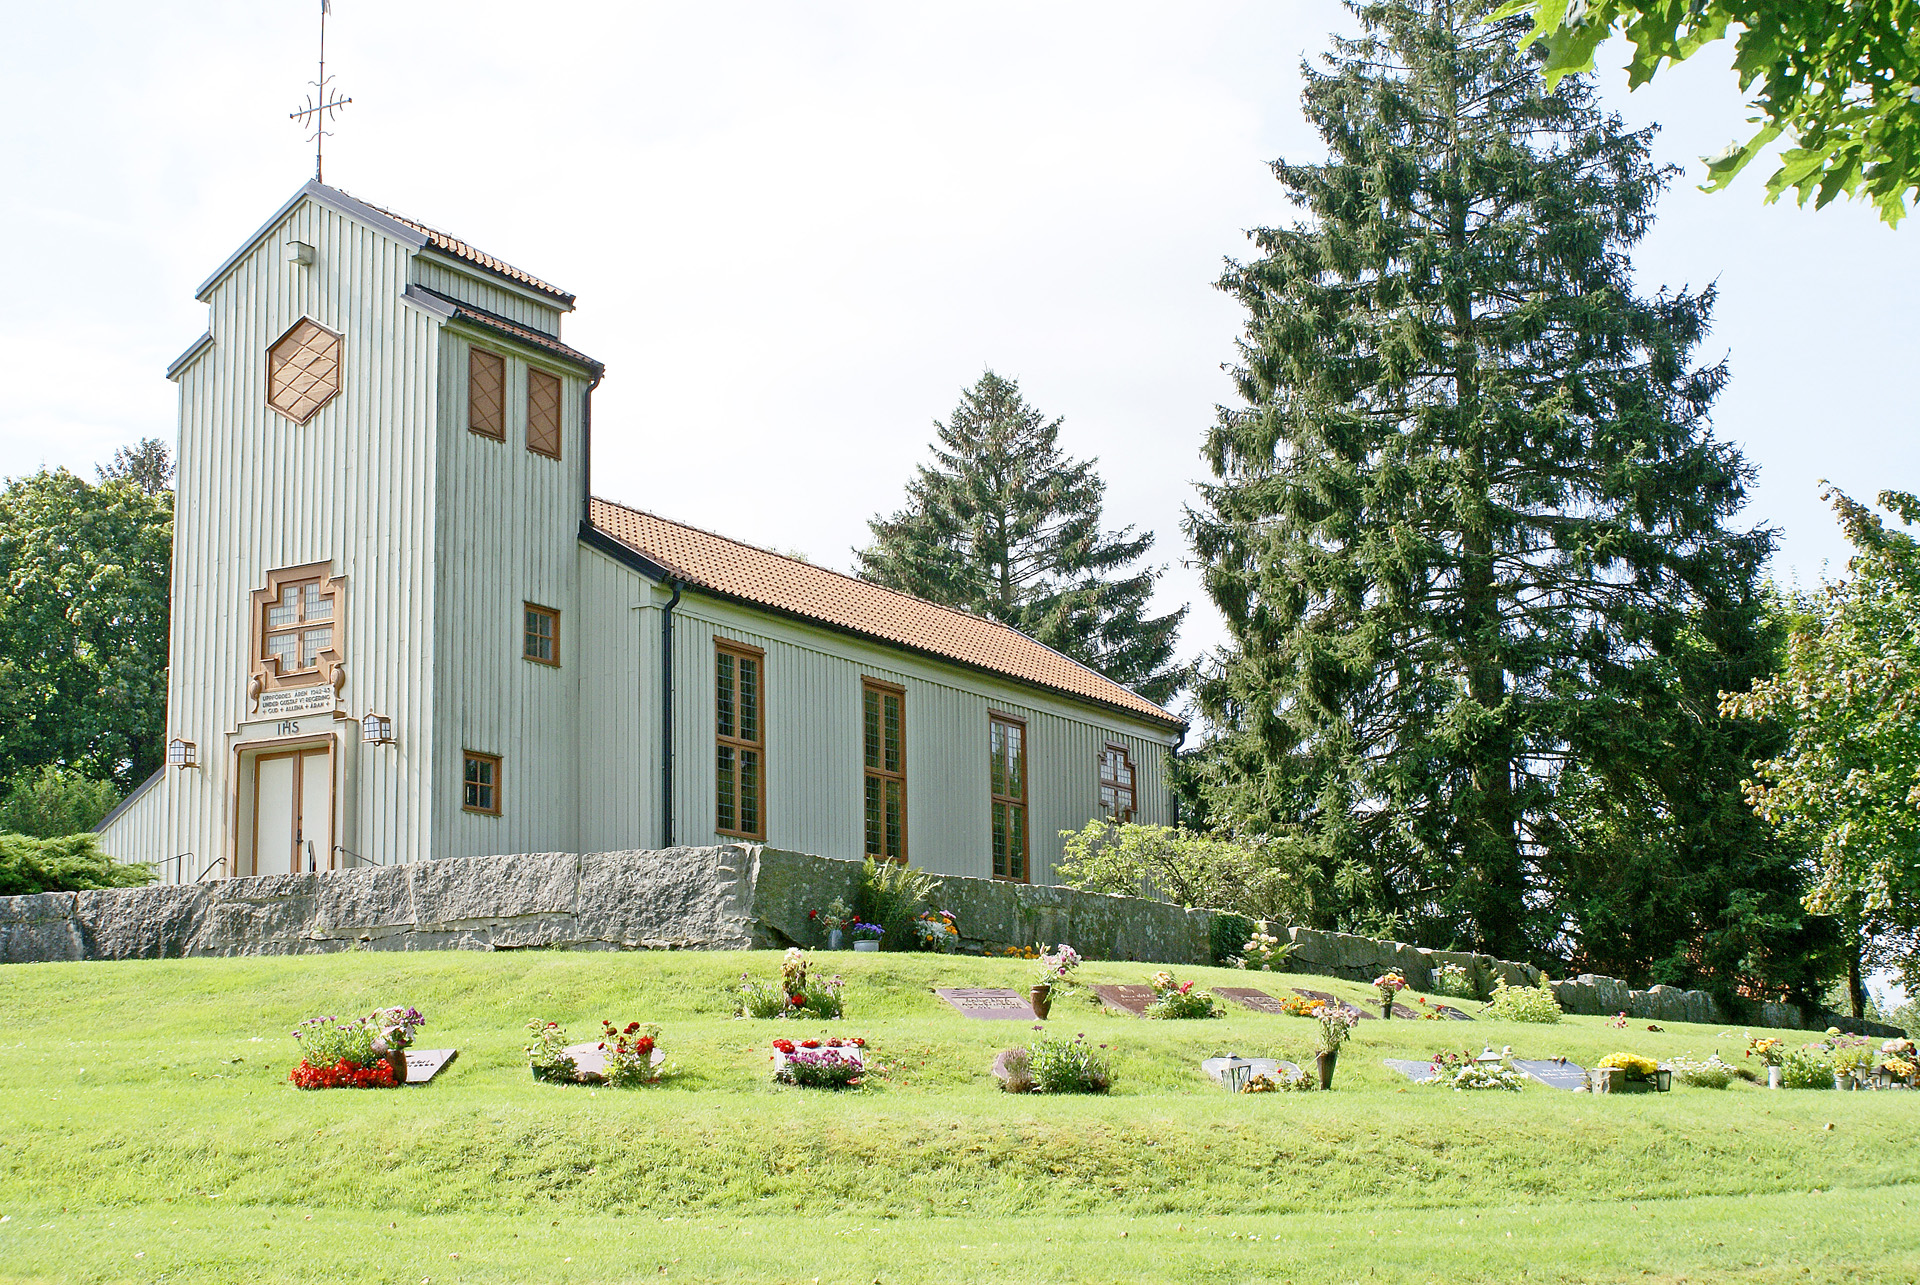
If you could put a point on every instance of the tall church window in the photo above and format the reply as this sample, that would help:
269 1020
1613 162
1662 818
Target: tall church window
1116 783
884 734
543 413
740 753
1007 770
487 393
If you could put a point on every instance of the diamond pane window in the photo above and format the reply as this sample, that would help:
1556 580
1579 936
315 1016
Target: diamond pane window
303 370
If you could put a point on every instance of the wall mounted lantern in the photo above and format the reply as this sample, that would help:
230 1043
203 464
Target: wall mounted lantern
182 753
376 729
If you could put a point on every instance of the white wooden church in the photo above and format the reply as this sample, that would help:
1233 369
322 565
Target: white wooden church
404 628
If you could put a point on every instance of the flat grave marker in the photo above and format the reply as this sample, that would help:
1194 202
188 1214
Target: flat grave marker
1247 997
1128 999
1328 997
1418 1072
1555 1073
988 1003
1272 1068
424 1064
1405 1014
590 1061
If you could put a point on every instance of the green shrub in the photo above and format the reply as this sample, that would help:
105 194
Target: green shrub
1251 878
51 802
1710 1074
1523 1003
1806 1068
1454 981
1060 1065
1226 935
73 863
892 895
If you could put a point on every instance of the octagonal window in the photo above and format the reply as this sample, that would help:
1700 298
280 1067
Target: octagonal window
303 370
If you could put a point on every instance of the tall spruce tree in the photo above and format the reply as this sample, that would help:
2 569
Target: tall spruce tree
1006 526
1472 494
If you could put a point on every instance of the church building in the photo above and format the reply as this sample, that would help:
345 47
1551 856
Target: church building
404 627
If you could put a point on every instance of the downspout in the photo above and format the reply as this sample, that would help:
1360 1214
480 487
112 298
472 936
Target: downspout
586 453
666 714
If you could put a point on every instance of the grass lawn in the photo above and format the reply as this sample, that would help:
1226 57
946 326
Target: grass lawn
147 1132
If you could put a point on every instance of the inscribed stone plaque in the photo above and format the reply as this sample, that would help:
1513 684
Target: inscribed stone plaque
989 1004
291 702
1418 1072
1405 1014
590 1060
1557 1073
1455 1014
1272 1068
424 1064
1328 997
1129 999
1248 997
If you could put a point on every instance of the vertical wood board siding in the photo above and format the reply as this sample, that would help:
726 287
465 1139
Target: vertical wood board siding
481 293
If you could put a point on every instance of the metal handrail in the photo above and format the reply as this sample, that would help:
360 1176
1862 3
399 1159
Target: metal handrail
211 865
345 850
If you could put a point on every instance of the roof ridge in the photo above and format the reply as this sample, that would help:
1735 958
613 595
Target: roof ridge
476 256
869 584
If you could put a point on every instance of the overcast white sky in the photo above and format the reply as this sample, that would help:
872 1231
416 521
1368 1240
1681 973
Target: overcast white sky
798 229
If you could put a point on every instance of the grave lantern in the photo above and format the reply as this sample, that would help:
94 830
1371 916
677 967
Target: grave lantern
376 729
182 753
1663 1080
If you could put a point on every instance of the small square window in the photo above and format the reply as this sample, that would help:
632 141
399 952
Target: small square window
480 784
540 635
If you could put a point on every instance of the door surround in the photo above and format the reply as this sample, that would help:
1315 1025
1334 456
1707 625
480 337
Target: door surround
246 803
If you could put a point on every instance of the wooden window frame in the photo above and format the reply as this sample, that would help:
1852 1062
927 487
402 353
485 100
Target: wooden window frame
870 774
476 354
527 635
492 760
1022 801
1132 791
327 668
741 651
339 362
534 375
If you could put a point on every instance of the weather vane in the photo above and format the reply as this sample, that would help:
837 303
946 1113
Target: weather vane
323 104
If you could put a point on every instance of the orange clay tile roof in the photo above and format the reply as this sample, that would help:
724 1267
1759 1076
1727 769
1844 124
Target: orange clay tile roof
792 587
454 247
508 328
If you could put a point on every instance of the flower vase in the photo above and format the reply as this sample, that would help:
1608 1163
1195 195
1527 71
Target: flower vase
395 1058
1325 1060
1386 1009
1041 997
866 943
836 939
1773 1077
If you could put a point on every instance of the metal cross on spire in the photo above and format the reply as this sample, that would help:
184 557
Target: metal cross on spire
323 104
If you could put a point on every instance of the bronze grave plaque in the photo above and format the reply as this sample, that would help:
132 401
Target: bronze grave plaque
988 1003
1128 999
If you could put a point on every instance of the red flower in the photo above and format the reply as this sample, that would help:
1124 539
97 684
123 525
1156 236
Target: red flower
644 1047
809 1044
785 1046
798 1001
632 1027
859 1043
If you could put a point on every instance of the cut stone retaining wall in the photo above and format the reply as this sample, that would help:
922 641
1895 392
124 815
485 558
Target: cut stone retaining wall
730 897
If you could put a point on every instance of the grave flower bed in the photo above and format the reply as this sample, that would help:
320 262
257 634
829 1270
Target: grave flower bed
1056 1064
1710 1074
625 1057
1468 1072
1637 1074
1175 1000
820 1064
798 993
359 1053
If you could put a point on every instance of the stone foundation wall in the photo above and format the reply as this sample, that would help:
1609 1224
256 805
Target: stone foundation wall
730 897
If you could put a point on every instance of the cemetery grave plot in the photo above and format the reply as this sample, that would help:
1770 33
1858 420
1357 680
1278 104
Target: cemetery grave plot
1328 997
1555 1073
1247 997
987 1003
590 1061
1418 1072
1272 1068
1132 999
424 1064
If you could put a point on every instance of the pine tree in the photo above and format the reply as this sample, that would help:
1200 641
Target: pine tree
1005 526
1472 493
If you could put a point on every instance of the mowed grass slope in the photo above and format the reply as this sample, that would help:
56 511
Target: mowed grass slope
144 1109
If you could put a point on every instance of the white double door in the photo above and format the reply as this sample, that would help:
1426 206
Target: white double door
293 811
